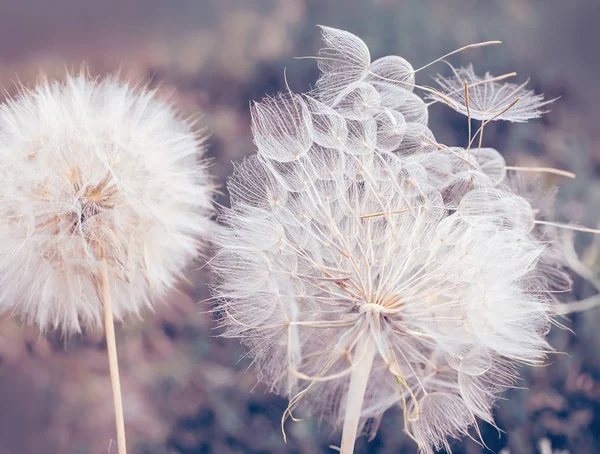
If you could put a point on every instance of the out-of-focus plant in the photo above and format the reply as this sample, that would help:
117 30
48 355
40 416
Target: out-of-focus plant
102 205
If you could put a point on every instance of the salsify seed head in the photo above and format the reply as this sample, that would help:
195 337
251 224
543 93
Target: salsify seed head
355 238
93 172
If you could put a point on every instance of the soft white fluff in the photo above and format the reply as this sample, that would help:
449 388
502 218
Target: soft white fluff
94 170
488 99
352 232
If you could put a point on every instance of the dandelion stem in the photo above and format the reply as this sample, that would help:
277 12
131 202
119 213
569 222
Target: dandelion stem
113 362
359 378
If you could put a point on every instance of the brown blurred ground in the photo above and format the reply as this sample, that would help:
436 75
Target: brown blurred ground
186 391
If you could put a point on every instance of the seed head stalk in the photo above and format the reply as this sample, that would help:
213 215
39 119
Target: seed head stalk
113 361
359 378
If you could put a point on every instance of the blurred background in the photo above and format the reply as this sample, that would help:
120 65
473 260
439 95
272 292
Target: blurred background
185 389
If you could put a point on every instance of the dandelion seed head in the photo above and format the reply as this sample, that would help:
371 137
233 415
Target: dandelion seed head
354 238
95 171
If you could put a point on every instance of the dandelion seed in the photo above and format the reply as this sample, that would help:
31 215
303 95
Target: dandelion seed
344 61
488 97
393 270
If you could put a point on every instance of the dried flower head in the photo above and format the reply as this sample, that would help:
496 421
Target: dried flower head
366 265
94 171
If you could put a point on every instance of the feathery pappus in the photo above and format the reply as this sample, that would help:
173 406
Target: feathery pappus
367 265
94 171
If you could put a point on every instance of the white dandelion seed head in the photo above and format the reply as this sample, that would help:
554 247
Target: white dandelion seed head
93 171
355 240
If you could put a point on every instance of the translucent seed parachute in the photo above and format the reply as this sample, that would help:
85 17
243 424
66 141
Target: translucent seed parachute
366 265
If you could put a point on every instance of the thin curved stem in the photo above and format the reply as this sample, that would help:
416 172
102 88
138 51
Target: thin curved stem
577 228
564 173
113 361
468 117
484 123
470 46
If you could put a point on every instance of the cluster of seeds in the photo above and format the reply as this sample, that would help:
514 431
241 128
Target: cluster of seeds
95 172
367 265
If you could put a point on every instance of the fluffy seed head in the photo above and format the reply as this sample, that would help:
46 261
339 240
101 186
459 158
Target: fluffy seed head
355 240
95 171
